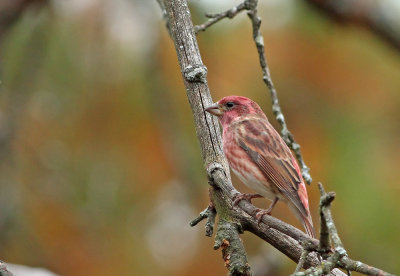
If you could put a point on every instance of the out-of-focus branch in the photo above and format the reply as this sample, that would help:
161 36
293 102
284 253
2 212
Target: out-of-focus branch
165 16
10 11
3 270
376 16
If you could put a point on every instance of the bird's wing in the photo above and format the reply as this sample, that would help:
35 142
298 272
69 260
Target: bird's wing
268 151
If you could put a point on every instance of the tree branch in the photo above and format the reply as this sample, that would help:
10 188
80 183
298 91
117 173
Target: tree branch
276 108
214 18
233 251
235 219
338 256
208 133
10 11
251 6
209 213
302 260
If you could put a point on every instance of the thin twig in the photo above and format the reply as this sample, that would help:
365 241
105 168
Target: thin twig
302 260
234 219
326 199
214 18
324 241
339 256
251 6
209 213
360 267
276 108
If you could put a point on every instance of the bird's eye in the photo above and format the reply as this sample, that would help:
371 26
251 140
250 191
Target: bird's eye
229 104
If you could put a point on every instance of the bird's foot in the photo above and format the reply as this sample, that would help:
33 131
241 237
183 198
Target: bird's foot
238 197
261 212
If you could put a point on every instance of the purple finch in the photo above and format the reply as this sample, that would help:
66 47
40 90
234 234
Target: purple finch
260 158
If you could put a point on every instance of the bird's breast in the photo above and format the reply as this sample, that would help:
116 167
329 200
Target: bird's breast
245 169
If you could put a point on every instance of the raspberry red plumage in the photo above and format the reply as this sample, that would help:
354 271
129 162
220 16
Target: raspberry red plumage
259 157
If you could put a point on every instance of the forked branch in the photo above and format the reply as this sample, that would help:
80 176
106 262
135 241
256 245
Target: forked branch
233 220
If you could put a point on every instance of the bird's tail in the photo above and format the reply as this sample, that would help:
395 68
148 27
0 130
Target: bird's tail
305 220
308 225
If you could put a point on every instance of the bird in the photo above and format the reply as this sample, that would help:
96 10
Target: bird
260 158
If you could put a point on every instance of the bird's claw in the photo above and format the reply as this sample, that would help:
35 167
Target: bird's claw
238 197
261 212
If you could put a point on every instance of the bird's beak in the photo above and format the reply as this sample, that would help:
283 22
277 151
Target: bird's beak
214 110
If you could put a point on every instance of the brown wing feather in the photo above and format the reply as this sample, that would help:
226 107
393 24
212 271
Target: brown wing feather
270 153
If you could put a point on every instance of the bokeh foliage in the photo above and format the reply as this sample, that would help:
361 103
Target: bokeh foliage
100 167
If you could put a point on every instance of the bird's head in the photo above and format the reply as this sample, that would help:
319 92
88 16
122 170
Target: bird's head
232 107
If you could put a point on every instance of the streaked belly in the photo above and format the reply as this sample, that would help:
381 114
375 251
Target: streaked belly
253 178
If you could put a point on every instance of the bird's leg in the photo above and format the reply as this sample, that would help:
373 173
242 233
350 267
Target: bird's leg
260 212
238 197
269 210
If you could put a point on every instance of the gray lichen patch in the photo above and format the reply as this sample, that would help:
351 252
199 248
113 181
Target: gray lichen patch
195 73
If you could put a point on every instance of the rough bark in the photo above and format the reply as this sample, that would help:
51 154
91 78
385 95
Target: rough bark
233 220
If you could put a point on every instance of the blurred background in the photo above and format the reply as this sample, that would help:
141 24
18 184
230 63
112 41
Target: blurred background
101 170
